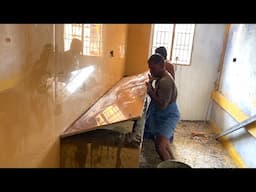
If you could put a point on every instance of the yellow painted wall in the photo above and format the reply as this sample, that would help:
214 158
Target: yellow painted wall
233 101
138 43
35 104
107 71
228 146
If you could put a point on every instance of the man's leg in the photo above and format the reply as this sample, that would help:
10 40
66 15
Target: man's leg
163 148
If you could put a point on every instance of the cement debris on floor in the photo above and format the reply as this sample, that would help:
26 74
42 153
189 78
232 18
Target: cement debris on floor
194 144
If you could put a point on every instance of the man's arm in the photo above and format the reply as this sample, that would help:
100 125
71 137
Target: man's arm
164 94
170 68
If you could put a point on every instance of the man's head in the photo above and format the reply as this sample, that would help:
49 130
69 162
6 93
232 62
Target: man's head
156 65
162 51
76 46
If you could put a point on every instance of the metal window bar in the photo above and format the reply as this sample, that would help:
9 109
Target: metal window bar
238 126
71 31
177 38
93 38
182 45
89 34
162 36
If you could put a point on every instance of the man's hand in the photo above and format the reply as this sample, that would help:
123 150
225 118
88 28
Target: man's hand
150 89
151 78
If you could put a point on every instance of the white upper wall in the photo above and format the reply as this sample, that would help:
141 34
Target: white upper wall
196 82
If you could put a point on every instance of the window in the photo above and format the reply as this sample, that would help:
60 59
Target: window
177 39
110 115
89 34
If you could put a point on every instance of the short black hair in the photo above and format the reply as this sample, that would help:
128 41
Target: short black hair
162 51
76 44
156 59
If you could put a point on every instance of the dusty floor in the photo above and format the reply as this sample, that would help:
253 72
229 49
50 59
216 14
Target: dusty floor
194 144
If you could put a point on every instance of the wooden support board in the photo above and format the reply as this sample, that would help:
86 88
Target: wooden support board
109 134
123 102
98 149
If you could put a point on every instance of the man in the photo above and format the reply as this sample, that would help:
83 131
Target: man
168 65
163 114
70 58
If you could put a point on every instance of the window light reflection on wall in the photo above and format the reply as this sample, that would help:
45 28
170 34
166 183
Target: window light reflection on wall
78 77
110 115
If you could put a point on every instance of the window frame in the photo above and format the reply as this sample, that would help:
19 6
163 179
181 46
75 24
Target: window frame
172 45
83 39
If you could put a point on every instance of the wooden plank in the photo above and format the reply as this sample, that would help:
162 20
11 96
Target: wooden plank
93 155
129 158
122 127
99 149
233 110
107 136
125 101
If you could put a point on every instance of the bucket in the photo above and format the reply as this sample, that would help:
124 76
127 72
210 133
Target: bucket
172 164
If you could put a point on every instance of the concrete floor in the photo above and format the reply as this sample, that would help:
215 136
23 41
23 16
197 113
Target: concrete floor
194 144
